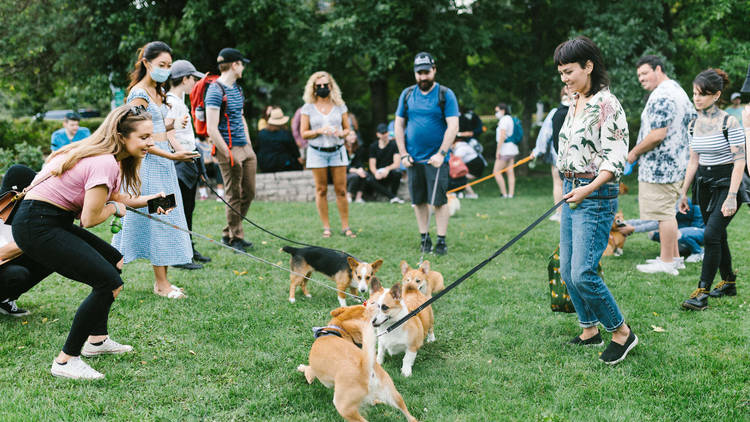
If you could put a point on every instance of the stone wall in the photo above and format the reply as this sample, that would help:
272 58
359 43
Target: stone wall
298 186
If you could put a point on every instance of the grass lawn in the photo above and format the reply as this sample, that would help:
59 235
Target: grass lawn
230 351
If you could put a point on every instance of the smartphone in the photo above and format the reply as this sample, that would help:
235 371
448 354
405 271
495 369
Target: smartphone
166 203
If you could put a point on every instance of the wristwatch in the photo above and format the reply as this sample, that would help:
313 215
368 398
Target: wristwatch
443 152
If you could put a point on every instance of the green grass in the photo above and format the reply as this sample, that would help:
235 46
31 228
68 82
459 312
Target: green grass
230 351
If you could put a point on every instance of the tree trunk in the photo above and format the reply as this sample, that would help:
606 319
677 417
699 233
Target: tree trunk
378 103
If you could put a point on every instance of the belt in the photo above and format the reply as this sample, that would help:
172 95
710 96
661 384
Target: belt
574 175
326 149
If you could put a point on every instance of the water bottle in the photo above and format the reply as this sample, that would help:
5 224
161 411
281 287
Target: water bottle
116 225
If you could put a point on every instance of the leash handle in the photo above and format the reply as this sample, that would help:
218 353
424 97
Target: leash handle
471 272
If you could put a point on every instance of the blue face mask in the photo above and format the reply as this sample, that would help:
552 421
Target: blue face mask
159 75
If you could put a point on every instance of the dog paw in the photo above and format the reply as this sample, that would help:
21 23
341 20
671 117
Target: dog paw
430 337
406 372
301 367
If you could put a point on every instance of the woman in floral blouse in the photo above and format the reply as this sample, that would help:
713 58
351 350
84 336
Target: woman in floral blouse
592 153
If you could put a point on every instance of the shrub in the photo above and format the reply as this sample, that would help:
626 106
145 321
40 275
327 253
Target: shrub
35 132
21 153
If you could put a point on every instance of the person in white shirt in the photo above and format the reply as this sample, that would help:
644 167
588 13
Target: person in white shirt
182 79
506 151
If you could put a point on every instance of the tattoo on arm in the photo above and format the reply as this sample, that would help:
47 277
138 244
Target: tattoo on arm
739 153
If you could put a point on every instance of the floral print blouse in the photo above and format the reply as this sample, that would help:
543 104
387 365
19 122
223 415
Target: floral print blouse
596 139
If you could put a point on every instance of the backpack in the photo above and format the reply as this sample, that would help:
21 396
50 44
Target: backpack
198 110
517 135
441 100
478 148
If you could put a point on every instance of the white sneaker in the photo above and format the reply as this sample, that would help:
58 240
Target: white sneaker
696 257
471 196
220 193
679 262
555 217
75 368
108 347
658 267
396 200
359 201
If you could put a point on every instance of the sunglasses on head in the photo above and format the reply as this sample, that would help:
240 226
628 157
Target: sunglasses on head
133 111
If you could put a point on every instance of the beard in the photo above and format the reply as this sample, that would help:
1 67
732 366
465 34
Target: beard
425 85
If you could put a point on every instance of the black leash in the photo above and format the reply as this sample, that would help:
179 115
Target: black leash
473 270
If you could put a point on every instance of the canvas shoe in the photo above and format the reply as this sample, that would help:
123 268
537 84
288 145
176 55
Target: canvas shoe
615 353
696 257
109 347
658 267
592 341
396 200
8 307
679 262
75 368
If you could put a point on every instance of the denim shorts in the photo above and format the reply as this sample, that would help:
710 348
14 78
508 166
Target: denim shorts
317 159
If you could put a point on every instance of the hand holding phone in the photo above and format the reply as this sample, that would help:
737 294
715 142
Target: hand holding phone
161 205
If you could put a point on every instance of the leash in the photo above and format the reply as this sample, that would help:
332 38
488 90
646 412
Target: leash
429 211
264 261
473 270
520 162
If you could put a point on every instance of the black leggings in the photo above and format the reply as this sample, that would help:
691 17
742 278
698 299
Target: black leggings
47 235
716 253
188 202
19 276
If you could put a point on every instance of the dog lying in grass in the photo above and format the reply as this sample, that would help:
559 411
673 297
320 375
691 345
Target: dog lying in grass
336 361
347 272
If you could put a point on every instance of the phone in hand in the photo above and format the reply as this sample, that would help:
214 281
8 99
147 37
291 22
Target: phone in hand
166 203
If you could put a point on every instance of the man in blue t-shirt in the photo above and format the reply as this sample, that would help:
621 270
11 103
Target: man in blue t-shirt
70 132
227 131
426 126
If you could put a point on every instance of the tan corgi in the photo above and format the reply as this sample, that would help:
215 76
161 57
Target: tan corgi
454 204
337 362
340 267
429 281
393 304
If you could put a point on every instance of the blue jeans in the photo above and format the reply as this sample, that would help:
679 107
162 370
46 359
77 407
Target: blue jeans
583 237
690 241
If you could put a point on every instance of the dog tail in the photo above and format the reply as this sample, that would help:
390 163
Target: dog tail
290 250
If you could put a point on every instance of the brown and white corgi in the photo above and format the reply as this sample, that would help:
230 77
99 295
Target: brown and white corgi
616 241
393 304
338 266
337 362
427 280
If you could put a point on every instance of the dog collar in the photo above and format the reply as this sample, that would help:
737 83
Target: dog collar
328 330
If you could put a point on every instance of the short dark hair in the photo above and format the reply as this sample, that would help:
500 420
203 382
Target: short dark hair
72 115
581 50
651 60
504 107
223 67
173 82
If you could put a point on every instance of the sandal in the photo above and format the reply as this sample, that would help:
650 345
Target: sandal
348 233
326 233
173 293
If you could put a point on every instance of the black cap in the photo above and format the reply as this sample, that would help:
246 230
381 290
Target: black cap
17 178
746 86
382 128
230 55
423 61
72 115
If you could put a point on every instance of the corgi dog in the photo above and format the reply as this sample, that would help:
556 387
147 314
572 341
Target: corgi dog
454 204
616 239
390 306
347 272
428 281
336 361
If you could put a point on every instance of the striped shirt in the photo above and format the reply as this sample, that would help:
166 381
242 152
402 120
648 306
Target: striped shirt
713 149
235 103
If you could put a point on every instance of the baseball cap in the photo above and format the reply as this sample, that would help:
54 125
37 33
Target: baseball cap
382 128
230 55
72 115
423 61
735 95
182 68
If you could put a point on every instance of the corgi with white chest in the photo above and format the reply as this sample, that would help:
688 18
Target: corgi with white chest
427 280
336 361
393 304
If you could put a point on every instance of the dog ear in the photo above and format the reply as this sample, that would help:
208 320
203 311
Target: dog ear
425 267
375 285
352 262
338 311
376 265
404 267
396 291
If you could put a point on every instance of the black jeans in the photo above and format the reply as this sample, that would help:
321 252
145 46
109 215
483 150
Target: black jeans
47 235
19 276
712 189
188 202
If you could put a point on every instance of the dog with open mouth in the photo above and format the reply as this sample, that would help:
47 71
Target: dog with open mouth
336 361
390 306
342 268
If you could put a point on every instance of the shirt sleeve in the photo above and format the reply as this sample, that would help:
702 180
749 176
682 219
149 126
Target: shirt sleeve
214 98
102 170
662 112
451 104
138 93
545 134
735 132
306 109
613 136
55 141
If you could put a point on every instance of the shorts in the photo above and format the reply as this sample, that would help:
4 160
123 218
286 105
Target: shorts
422 181
508 150
657 201
318 159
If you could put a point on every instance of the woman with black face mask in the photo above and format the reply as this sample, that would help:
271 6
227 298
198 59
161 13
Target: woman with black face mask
325 123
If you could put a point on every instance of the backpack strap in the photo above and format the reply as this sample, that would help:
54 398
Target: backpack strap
441 98
409 92
223 111
691 127
724 128
442 93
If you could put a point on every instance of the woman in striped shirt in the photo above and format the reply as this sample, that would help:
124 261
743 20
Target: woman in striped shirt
717 157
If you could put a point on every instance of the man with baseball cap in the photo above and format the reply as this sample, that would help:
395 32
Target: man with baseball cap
425 128
228 132
735 109
70 132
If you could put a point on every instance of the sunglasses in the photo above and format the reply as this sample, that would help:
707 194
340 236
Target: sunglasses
321 86
133 111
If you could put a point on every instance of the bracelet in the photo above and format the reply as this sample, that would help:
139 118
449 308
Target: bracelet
117 208
731 193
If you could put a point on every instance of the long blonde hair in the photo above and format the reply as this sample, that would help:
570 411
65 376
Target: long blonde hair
109 138
309 96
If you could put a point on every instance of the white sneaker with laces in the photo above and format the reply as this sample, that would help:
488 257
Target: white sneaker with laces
679 262
75 368
658 267
696 257
396 200
108 347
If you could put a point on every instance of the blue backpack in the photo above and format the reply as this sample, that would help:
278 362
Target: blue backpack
517 135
